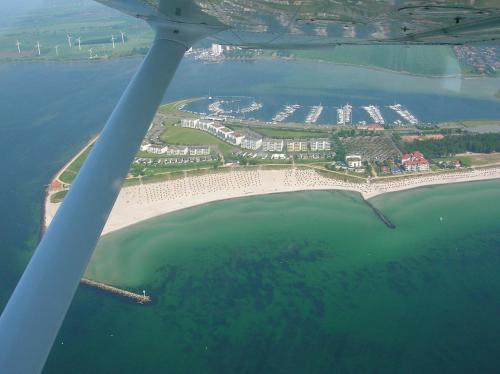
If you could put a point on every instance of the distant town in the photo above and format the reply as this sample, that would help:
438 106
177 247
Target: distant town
475 60
479 60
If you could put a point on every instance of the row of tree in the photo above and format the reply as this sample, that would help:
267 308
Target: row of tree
451 145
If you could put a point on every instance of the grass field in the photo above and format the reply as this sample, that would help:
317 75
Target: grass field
422 60
58 196
147 171
173 135
170 109
290 133
474 159
72 170
479 123
180 135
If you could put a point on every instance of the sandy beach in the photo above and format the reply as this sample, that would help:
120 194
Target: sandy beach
141 202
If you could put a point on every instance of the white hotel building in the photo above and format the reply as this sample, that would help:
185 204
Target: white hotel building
176 150
251 142
320 144
272 145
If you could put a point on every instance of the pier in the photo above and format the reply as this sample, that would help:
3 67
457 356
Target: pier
314 114
375 114
140 299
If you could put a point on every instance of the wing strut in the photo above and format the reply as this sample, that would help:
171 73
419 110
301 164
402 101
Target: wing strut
35 311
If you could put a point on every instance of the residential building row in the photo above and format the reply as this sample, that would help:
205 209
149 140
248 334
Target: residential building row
250 140
247 140
176 150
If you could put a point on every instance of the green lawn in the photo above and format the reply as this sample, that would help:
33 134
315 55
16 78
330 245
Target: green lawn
148 171
170 109
180 135
291 133
475 159
480 123
424 60
58 196
172 135
70 173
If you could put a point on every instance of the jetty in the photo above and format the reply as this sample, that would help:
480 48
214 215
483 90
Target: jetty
139 298
375 114
314 114
380 215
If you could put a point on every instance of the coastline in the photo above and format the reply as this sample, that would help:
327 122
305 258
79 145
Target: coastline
73 159
144 201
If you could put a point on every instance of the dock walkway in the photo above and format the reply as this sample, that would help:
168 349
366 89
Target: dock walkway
141 299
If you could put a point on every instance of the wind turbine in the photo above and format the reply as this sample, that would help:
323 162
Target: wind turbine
38 47
18 47
113 41
79 45
57 50
123 37
69 39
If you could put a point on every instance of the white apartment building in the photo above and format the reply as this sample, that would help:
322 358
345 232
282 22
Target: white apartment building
190 123
296 145
199 150
272 145
354 161
252 143
224 132
235 138
320 144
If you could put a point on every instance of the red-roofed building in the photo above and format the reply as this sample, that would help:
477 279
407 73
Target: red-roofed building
55 185
415 162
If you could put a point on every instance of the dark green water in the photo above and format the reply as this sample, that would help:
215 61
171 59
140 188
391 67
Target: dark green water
299 282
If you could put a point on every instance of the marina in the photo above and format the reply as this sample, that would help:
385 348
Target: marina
217 107
344 115
285 113
405 113
374 112
314 114
254 106
341 115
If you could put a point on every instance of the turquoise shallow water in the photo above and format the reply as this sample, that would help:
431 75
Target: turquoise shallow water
299 282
